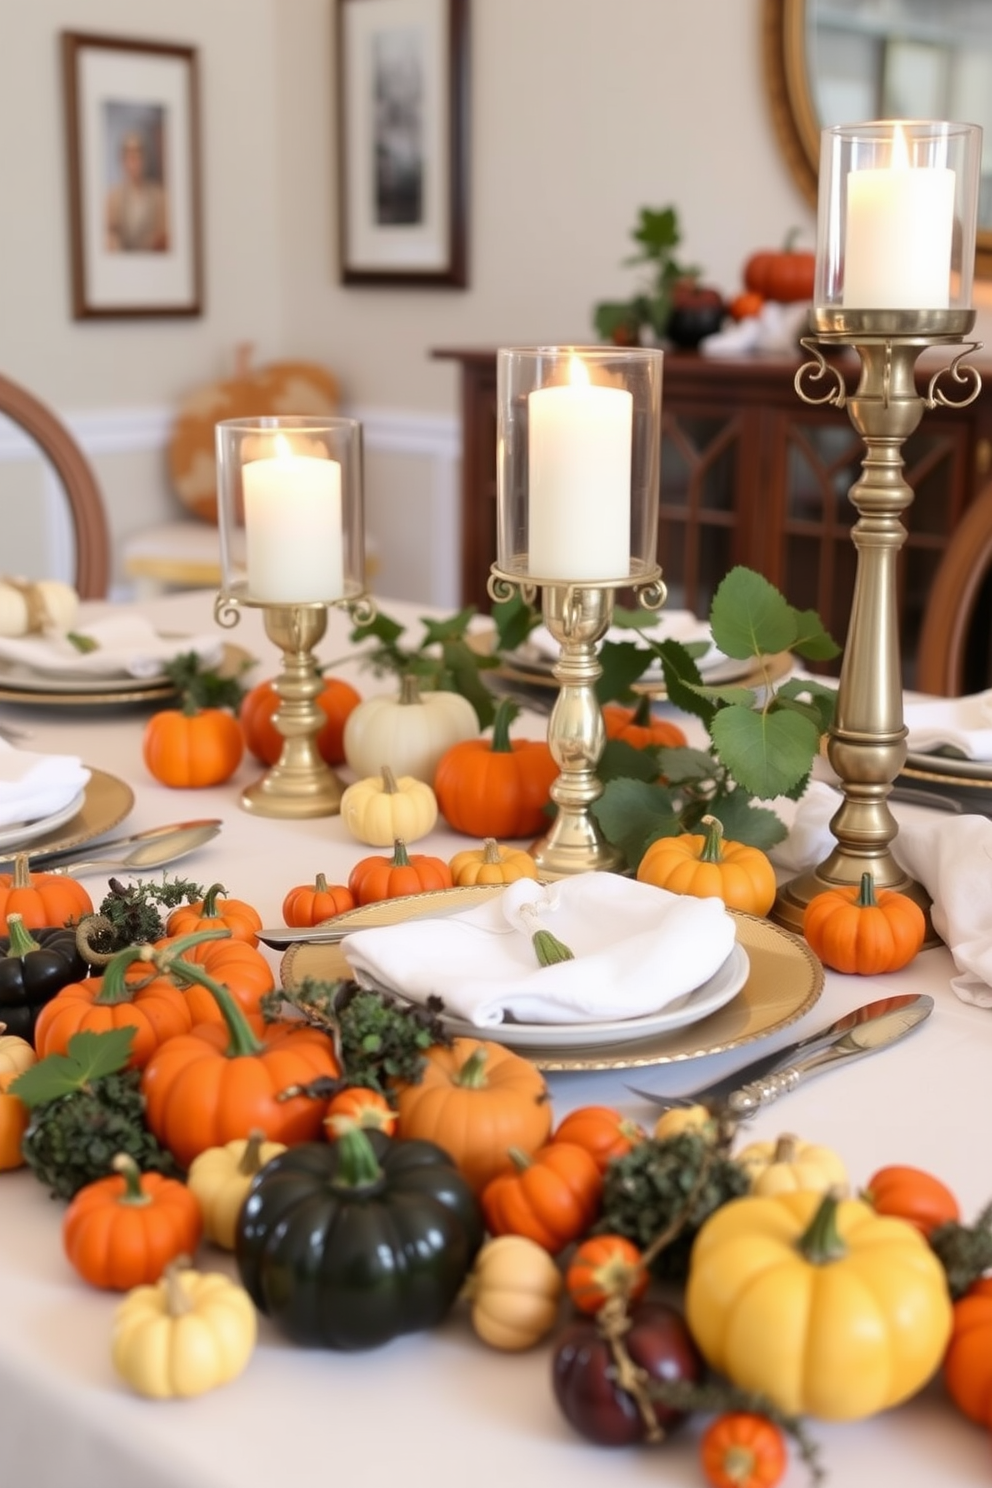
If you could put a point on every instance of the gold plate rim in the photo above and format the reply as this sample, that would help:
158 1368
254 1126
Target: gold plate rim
157 689
759 1009
107 800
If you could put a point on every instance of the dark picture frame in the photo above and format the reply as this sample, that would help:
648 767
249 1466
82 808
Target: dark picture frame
133 155
402 109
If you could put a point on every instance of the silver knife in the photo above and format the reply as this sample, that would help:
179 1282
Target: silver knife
861 1031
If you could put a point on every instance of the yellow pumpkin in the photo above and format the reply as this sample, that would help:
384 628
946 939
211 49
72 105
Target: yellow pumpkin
381 808
220 1177
514 1289
491 864
187 1334
706 865
791 1166
679 1119
825 1306
16 1054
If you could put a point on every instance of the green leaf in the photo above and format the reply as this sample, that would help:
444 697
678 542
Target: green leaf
89 1056
624 619
765 752
514 619
683 683
436 632
811 640
682 764
742 821
749 616
621 761
632 814
380 628
623 663
466 679
821 698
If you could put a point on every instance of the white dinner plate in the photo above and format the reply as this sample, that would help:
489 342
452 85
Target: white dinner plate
946 764
705 999
15 678
22 832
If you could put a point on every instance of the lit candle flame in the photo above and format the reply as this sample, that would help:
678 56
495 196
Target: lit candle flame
578 372
283 448
900 149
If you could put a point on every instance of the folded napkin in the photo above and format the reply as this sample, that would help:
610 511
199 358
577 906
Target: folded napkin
951 856
636 948
33 786
672 625
126 645
962 724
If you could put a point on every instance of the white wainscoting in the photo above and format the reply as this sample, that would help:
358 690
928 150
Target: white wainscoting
434 439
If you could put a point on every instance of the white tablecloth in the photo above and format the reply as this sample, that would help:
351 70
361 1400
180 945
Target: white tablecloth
438 1409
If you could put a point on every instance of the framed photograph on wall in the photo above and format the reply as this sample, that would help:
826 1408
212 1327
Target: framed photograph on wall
402 91
132 136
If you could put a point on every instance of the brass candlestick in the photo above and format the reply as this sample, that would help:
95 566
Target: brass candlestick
301 784
867 743
578 616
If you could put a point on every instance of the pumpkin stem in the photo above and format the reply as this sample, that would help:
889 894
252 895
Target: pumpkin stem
115 987
241 1040
134 1195
91 925
320 884
549 949
472 1075
491 853
520 1159
821 1243
713 842
642 716
358 1167
785 1148
506 712
22 872
866 894
208 909
409 688
21 939
401 858
176 1301
388 781
251 1157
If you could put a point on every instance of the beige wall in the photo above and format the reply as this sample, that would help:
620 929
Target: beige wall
582 111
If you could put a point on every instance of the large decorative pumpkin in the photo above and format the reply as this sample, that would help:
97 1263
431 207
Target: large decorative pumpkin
497 787
282 387
785 274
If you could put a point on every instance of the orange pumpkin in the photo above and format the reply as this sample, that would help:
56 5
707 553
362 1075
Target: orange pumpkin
477 1100
122 1231
706 865
377 877
41 899
222 1081
14 1117
191 750
239 919
496 787
551 1196
914 1195
357 1105
863 930
784 275
242 968
968 1361
491 864
640 728
602 1131
126 996
336 701
309 904
602 1267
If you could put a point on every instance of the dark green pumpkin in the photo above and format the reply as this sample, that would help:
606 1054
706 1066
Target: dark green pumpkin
347 1244
34 965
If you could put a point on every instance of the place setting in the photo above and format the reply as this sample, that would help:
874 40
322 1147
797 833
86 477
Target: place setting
51 802
950 749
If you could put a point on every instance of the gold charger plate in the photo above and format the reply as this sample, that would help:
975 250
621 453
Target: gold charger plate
115 693
106 802
784 981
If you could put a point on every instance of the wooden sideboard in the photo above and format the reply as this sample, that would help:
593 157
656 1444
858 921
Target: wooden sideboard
750 474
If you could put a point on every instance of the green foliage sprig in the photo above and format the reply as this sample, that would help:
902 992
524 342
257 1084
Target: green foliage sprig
657 235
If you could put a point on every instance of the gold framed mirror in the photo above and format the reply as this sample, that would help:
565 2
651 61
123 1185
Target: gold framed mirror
938 59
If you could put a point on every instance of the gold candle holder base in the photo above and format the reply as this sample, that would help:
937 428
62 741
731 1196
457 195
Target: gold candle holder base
578 616
867 741
300 785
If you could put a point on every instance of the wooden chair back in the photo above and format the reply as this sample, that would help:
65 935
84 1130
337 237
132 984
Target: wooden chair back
954 597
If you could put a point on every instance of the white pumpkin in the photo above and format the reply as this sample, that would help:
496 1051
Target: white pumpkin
48 605
408 733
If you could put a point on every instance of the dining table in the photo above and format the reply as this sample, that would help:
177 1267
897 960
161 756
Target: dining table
441 1407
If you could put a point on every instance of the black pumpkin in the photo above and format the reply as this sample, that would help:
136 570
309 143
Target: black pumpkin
34 965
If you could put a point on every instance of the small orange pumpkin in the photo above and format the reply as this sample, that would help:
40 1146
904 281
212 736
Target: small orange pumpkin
863 930
14 1117
192 749
784 274
377 877
124 997
914 1195
121 1231
708 866
968 1361
551 1196
309 904
640 728
336 700
357 1105
239 919
491 864
496 787
602 1267
41 899
602 1131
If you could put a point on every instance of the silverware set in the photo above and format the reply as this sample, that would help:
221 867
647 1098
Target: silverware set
150 849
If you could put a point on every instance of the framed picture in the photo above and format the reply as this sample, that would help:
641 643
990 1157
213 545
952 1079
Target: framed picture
132 132
402 86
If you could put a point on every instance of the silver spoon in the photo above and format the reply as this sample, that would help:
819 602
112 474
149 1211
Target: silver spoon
155 852
200 831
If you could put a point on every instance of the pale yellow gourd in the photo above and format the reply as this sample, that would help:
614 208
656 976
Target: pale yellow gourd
514 1289
220 1178
382 808
16 1053
679 1119
45 605
791 1166
187 1334
409 733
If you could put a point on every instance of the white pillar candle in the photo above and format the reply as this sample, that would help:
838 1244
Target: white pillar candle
900 220
579 462
294 547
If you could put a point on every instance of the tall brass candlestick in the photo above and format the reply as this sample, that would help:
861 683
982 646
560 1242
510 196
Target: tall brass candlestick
867 742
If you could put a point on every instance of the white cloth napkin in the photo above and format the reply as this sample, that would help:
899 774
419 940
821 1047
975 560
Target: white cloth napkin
637 949
951 856
33 786
126 645
672 625
963 724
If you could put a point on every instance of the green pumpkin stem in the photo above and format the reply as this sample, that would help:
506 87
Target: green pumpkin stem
401 858
115 987
866 894
505 714
134 1195
409 688
549 949
22 872
713 846
642 716
251 1158
209 910
472 1074
320 884
22 942
520 1159
358 1167
241 1039
821 1243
